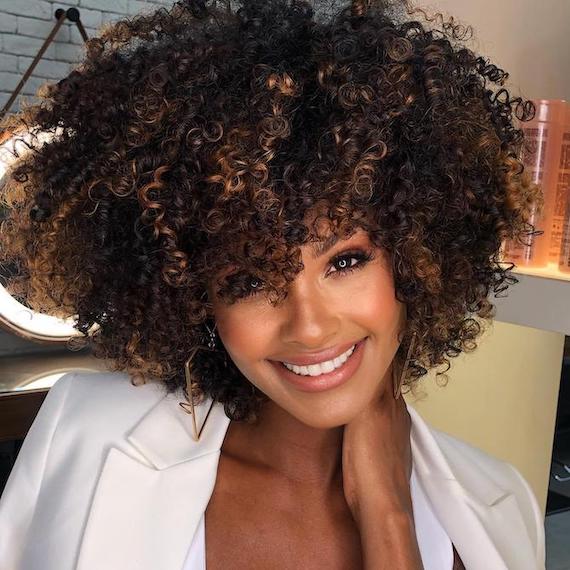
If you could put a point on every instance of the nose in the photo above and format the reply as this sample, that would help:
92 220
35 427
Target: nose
310 321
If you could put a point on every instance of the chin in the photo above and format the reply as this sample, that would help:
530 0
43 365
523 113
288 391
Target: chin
324 422
329 415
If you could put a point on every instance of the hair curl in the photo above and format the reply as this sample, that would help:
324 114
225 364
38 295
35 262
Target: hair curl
198 138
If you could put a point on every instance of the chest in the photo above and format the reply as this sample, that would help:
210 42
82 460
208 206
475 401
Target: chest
249 523
253 521
457 562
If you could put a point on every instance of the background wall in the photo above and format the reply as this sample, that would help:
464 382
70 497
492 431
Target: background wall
24 25
502 398
529 39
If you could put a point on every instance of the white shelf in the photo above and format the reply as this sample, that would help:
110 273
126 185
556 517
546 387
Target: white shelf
551 271
541 299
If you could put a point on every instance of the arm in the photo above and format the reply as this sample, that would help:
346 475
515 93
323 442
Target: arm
388 537
377 467
23 486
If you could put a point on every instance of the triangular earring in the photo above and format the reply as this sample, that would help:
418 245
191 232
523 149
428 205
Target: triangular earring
188 406
398 385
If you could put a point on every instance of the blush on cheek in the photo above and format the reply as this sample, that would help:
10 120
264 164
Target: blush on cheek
243 336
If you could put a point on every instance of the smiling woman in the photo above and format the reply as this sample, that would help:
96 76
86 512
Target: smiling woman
278 218
343 299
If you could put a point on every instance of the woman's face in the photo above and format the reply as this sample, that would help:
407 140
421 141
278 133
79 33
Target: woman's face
339 299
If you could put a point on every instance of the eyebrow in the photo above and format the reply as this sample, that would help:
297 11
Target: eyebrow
321 247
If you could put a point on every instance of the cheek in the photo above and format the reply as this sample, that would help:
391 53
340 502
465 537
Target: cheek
374 303
244 332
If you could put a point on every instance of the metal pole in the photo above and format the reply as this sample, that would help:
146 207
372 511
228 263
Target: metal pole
61 15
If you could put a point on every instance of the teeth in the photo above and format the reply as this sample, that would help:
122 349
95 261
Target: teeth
321 367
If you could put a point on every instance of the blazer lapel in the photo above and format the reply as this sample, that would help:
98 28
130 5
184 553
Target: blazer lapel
151 495
480 517
148 501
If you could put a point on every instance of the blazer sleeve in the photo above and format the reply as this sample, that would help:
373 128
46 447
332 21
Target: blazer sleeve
533 512
21 492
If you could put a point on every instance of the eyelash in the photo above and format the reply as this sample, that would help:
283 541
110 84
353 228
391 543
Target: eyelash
362 256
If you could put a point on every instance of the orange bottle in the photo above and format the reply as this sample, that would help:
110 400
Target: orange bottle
564 192
541 157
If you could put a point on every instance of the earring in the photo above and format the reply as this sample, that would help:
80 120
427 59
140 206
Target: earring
212 337
191 383
398 386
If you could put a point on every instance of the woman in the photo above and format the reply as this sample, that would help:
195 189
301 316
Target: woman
270 221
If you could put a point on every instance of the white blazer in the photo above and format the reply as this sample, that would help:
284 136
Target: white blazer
109 478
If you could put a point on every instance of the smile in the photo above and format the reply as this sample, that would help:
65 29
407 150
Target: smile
321 367
322 375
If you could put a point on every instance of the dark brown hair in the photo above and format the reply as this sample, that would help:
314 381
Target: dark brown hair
199 138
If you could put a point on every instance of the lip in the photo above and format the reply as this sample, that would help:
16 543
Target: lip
317 357
324 381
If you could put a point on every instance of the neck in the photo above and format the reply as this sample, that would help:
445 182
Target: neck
280 442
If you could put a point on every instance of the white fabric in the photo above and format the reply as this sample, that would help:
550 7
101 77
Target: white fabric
196 559
434 544
109 477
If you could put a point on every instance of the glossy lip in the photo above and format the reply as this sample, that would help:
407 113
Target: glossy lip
317 357
324 381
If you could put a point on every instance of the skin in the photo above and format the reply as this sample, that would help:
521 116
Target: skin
320 311
343 454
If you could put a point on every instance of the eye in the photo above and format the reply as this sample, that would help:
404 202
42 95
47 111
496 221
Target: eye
255 284
350 261
238 285
344 263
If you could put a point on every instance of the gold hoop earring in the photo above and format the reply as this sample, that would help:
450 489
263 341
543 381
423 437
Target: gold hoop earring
191 384
397 386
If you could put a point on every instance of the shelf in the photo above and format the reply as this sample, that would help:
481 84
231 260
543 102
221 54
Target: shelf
551 271
541 299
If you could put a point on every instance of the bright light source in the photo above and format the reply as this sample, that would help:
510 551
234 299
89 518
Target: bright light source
13 315
46 381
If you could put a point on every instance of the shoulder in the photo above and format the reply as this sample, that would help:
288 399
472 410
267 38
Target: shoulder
86 398
471 465
100 384
475 468
465 458
84 415
94 409
459 452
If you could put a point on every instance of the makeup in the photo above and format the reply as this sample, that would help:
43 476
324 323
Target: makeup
327 380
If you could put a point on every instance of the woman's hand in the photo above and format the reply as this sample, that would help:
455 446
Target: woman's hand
376 455
377 465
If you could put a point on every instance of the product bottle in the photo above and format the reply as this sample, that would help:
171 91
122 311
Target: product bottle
541 157
564 193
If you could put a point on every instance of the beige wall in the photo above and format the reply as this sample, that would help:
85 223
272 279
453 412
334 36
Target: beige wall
502 398
527 38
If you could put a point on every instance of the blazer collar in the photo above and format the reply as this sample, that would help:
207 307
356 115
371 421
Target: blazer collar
482 518
431 462
164 452
164 434
147 504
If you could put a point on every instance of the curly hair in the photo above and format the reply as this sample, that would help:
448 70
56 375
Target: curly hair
199 138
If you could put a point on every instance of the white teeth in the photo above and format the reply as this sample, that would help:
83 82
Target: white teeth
321 367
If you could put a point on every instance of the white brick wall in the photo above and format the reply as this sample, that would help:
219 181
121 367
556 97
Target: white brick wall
24 25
